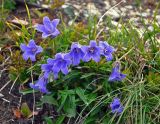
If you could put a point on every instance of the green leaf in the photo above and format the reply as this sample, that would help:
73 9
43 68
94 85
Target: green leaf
87 75
48 120
63 99
60 119
70 106
80 93
49 99
26 112
27 91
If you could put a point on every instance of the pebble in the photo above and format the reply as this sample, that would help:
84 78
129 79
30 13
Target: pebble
128 7
116 24
92 9
144 14
113 13
158 18
150 28
107 4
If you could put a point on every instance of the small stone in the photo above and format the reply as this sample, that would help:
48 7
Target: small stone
113 13
1 95
144 14
92 9
107 4
150 28
128 7
158 18
116 24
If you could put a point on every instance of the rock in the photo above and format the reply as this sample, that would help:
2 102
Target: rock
150 28
128 7
107 4
116 24
158 18
114 14
144 14
92 9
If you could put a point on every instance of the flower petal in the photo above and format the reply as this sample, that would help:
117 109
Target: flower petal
45 35
55 33
24 47
93 43
32 57
47 23
96 58
25 56
32 43
109 57
87 57
55 22
64 70
39 49
41 28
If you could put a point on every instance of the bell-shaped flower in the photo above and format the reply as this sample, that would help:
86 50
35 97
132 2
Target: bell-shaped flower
47 68
106 50
40 85
61 63
49 28
30 50
116 106
92 52
76 53
116 75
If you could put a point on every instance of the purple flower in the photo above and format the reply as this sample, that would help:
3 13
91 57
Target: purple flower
40 85
61 63
91 52
116 75
30 50
48 68
116 106
76 53
106 50
49 28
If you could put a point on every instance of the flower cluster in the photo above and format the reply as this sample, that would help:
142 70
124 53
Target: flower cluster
63 61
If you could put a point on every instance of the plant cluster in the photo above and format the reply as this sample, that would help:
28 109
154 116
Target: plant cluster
62 61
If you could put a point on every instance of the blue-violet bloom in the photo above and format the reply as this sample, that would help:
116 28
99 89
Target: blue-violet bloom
76 53
40 85
48 68
61 63
30 50
116 106
106 50
116 75
49 28
91 52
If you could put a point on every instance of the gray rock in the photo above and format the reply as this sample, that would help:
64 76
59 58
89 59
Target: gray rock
113 13
92 9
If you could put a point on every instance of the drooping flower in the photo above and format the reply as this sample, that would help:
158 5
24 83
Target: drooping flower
106 50
49 28
116 75
76 53
30 50
116 106
40 85
61 63
91 52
